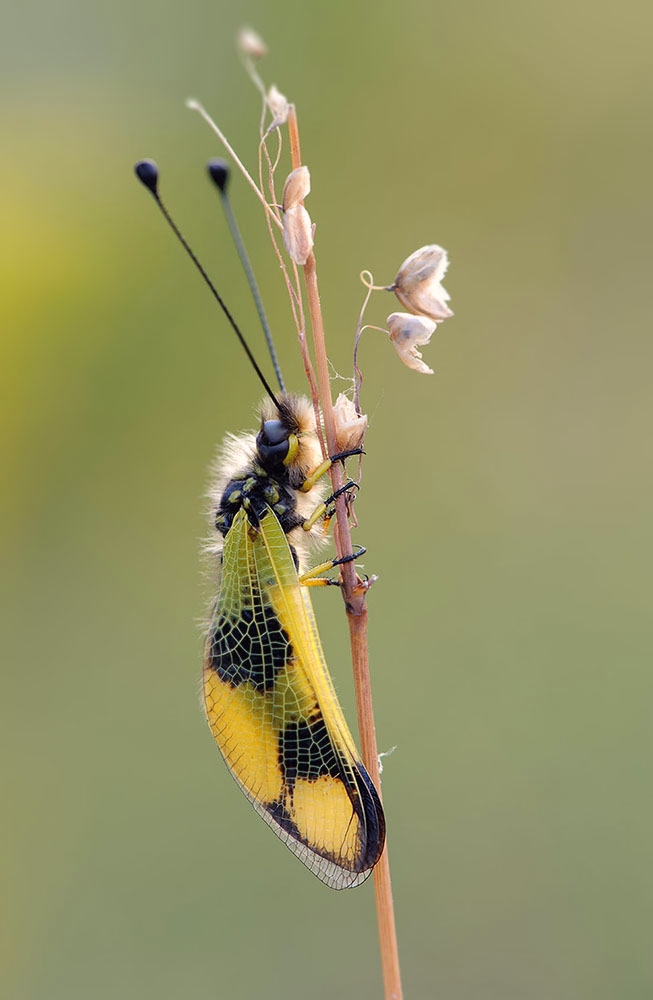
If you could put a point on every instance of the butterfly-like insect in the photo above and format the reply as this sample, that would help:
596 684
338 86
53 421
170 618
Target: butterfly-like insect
269 699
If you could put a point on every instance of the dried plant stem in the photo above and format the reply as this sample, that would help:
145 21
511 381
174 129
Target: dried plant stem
292 284
354 594
196 106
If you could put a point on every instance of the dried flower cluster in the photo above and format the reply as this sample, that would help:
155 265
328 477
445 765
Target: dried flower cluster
297 225
418 286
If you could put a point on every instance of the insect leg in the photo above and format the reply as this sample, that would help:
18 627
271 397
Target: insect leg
322 510
311 578
324 467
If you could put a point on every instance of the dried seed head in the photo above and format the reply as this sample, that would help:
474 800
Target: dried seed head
296 188
350 425
278 105
298 234
418 283
251 44
297 225
407 333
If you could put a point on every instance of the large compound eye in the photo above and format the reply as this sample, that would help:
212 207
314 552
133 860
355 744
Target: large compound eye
273 442
274 432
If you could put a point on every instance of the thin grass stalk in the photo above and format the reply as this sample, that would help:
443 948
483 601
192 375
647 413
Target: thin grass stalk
354 594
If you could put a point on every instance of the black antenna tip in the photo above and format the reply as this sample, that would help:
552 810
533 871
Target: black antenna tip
148 174
219 173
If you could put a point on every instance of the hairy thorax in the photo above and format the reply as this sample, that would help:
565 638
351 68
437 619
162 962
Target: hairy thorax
243 478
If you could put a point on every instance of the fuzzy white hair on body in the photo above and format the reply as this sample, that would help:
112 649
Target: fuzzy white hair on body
237 456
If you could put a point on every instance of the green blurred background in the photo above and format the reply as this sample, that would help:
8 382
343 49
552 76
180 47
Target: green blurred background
506 501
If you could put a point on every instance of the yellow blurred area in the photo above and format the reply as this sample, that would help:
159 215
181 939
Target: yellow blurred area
505 502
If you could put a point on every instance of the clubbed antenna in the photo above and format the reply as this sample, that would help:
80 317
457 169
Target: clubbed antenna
218 171
148 174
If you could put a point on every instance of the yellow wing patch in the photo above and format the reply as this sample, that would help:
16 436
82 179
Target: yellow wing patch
274 713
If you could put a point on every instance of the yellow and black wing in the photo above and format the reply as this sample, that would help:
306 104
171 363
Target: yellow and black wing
274 713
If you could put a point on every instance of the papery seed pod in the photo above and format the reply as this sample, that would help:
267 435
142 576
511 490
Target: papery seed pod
278 105
296 188
418 283
297 225
251 44
298 234
407 333
350 425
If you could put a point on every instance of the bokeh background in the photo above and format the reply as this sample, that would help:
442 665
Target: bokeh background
506 503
